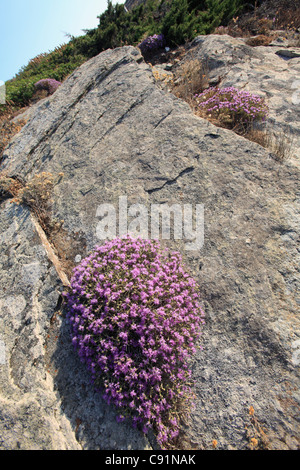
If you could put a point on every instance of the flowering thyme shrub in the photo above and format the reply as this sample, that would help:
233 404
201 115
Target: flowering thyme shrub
136 317
232 107
152 43
48 84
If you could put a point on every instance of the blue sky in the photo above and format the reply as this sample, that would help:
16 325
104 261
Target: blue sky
30 27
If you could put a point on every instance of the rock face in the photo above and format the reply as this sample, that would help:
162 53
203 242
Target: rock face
270 71
130 4
113 132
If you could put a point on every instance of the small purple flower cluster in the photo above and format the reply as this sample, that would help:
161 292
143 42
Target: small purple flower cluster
136 319
231 104
151 43
48 84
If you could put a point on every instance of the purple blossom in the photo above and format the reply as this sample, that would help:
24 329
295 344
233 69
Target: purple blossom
157 41
136 327
48 84
232 106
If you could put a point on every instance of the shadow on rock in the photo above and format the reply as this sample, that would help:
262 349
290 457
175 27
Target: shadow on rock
92 419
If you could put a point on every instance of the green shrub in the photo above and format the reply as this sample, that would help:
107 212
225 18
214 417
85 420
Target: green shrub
118 27
56 65
20 92
178 20
187 19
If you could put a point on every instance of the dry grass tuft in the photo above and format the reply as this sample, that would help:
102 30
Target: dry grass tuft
8 128
260 40
255 434
280 145
9 187
37 195
190 78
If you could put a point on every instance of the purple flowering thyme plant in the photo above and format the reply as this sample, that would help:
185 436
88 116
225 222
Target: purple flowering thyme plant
48 84
136 319
151 43
236 109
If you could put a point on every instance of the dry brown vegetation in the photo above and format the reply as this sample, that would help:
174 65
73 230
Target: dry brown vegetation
266 22
260 40
270 16
8 127
191 78
280 145
255 433
37 194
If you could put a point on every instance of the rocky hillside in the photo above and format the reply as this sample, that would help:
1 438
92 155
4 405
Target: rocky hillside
113 129
270 71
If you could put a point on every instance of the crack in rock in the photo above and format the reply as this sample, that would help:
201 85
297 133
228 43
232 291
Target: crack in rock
50 253
171 181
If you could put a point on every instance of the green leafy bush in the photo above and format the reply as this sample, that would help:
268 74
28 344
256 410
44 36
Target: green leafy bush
20 92
56 65
178 20
187 19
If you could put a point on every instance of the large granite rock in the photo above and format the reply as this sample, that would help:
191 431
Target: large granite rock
113 132
271 71
130 4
